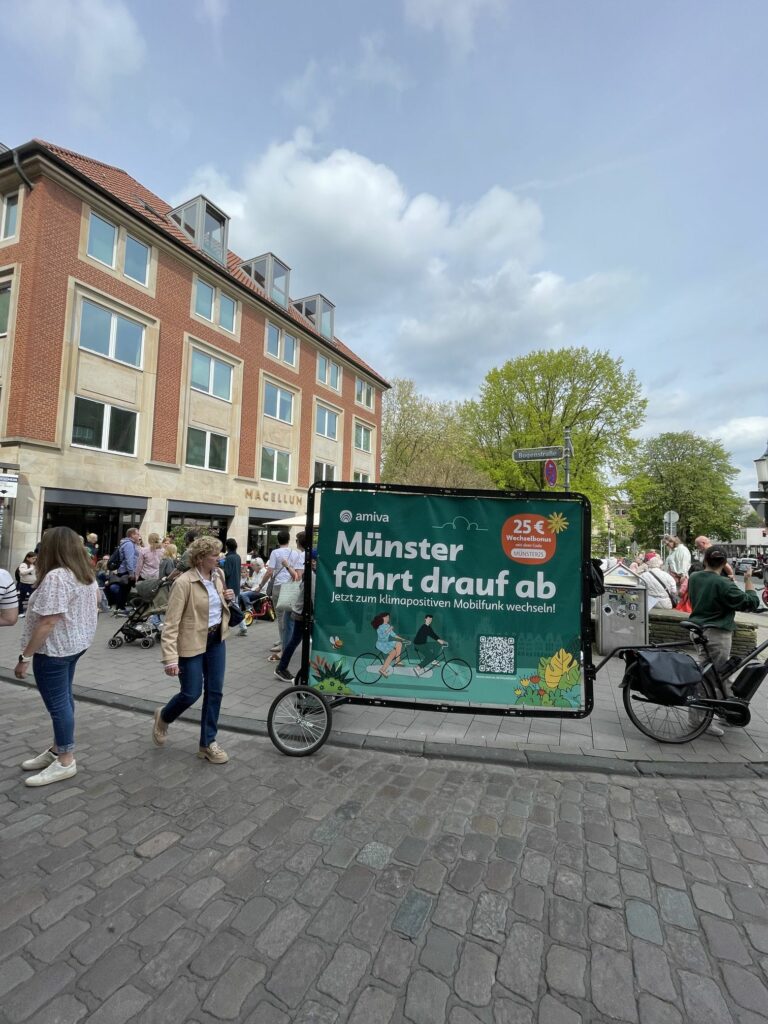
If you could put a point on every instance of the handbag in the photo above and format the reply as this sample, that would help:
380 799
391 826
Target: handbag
236 614
288 594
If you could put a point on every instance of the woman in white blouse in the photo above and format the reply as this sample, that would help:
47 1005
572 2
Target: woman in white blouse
59 628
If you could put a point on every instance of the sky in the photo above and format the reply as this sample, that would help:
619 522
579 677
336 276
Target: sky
467 180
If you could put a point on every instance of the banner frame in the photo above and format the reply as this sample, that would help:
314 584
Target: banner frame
586 629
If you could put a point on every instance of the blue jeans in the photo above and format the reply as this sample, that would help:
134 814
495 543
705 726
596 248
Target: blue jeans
292 642
204 673
54 681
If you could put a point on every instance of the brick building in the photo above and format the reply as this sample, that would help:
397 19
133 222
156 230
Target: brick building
151 376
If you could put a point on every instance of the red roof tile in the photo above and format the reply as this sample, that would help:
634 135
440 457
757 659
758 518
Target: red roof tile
154 211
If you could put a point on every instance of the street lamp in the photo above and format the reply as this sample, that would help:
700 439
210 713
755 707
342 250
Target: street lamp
759 499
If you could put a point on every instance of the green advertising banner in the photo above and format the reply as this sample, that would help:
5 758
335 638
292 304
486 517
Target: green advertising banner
465 600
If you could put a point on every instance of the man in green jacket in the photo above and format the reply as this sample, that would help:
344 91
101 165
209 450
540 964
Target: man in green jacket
715 601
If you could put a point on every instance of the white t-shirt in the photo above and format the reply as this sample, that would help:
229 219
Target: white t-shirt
214 601
295 560
61 593
8 596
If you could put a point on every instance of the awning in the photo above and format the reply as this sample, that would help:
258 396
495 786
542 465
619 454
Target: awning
292 521
58 496
261 514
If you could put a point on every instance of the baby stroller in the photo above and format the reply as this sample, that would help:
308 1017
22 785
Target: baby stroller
260 608
151 598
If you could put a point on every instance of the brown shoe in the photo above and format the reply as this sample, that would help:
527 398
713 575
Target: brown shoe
159 728
213 753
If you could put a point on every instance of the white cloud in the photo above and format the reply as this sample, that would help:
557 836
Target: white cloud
213 11
376 67
423 289
98 41
455 19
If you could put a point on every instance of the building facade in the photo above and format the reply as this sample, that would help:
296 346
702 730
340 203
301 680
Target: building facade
150 376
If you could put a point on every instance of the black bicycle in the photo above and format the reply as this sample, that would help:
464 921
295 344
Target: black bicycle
671 698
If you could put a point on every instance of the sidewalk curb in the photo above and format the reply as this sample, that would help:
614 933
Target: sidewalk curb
537 760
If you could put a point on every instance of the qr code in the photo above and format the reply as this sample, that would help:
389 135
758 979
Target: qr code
496 654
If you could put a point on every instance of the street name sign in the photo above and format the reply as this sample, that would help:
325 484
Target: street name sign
554 451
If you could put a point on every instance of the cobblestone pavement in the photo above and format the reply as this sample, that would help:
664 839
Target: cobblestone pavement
135 676
364 888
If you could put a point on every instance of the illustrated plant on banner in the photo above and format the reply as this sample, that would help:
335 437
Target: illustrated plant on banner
450 599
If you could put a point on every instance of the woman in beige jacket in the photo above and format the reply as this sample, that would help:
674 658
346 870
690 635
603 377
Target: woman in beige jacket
196 626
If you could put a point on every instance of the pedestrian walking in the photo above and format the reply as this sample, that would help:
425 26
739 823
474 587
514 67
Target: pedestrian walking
58 630
284 565
119 585
233 572
193 645
27 579
149 558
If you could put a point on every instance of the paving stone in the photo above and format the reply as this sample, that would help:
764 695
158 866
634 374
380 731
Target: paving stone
344 973
566 921
175 1003
466 875
198 894
654 1011
120 1007
412 914
176 952
295 973
226 998
375 1006
33 993
316 887
64 1009
652 970
706 897
528 901
154 846
603 889
275 938
507 1011
477 847
607 928
375 855
102 936
686 949
702 1000
13 972
453 911
440 952
426 998
332 919
569 883
475 977
635 883
48 946
393 964
158 927
312 1012
499 875
643 921
675 907
355 882
12 939
430 876
62 905
411 850
341 854
612 984
213 957
758 935
520 966
111 971
745 988
552 1011
267 1013
724 940
535 868
566 970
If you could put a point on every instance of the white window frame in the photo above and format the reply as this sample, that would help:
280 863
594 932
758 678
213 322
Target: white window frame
213 359
112 334
357 477
208 435
366 429
275 451
270 383
105 428
215 306
325 380
281 336
324 475
4 233
115 228
366 389
6 283
119 248
328 412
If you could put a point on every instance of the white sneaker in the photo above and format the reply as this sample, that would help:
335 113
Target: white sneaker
34 764
715 730
55 772
159 728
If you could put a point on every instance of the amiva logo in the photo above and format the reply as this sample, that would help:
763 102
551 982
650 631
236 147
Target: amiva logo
363 517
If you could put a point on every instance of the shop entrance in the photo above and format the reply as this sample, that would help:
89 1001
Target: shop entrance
215 525
109 524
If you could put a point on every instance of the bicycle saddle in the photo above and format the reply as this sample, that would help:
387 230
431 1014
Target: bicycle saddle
691 626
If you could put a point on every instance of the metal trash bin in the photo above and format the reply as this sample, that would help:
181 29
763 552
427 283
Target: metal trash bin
621 613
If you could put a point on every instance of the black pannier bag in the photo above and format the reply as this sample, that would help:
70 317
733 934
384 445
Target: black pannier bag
664 677
596 577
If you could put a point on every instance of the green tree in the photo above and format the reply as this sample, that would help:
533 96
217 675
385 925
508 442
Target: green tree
423 442
530 401
751 518
690 475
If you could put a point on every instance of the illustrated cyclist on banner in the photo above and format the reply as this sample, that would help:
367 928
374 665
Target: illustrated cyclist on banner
427 644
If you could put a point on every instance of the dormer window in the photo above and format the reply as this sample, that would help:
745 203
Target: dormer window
205 225
271 274
319 311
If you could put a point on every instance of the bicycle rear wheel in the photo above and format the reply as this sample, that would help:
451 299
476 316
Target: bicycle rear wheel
366 668
299 721
669 723
457 675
